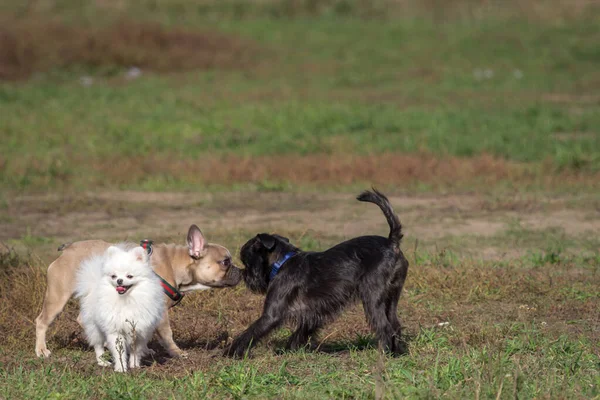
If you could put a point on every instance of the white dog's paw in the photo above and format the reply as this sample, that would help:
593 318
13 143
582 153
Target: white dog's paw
120 368
134 362
104 363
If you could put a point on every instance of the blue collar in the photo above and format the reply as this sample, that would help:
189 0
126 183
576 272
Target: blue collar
277 265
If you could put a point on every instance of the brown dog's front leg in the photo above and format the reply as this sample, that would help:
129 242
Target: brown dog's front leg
166 337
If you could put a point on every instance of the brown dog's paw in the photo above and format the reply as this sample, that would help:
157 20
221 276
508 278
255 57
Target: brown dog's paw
177 353
43 352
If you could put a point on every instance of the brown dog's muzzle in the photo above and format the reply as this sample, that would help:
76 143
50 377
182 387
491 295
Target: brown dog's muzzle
232 278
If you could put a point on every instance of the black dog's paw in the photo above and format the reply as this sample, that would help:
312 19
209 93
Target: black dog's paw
401 349
294 346
235 352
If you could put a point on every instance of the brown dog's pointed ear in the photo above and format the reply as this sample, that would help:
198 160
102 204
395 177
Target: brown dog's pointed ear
267 240
196 242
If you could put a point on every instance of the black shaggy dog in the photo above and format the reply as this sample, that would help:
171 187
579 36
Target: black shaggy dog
311 288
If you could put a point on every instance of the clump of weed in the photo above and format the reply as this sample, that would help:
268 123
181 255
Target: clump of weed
9 261
444 258
20 297
28 46
549 257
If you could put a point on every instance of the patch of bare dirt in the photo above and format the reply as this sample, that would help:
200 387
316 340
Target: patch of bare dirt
569 98
234 216
573 222
574 136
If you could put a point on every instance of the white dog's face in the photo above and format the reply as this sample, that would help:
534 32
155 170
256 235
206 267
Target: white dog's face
124 269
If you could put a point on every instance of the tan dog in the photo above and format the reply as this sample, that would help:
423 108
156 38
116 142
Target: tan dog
197 266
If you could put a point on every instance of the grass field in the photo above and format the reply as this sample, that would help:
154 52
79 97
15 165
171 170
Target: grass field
121 120
521 90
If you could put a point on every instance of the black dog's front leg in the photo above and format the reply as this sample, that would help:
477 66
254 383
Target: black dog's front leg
252 335
274 313
305 331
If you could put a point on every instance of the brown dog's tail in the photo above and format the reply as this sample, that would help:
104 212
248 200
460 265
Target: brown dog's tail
379 198
63 246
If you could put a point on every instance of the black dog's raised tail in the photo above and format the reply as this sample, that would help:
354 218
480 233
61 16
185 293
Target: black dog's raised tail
379 198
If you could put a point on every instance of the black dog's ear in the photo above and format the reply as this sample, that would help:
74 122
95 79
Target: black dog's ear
282 238
267 240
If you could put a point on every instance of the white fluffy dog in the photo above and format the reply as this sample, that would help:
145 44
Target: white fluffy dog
122 303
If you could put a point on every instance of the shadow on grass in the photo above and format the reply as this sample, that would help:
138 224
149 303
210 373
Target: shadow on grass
161 356
361 343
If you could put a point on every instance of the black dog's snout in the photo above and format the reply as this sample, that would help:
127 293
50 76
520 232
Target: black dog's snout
119 281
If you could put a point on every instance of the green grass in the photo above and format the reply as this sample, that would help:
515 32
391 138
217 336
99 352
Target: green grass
526 364
325 84
148 117
448 79
522 328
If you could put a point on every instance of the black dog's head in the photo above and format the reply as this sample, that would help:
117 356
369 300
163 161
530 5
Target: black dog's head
258 256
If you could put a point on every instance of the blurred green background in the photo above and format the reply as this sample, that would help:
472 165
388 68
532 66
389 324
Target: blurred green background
162 94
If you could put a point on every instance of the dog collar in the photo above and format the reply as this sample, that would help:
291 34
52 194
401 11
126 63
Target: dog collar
147 245
169 290
277 265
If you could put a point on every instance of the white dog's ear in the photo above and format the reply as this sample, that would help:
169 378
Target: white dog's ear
196 242
140 253
112 250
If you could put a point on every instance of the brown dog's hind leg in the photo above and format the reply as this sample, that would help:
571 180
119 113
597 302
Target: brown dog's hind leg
54 301
166 337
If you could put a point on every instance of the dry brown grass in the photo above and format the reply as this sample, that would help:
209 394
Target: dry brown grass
37 45
480 301
338 169
312 169
19 295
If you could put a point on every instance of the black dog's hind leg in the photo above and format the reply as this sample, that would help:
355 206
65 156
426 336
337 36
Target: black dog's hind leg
374 303
391 308
306 329
391 311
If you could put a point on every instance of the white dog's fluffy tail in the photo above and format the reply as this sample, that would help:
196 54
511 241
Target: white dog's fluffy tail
88 276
